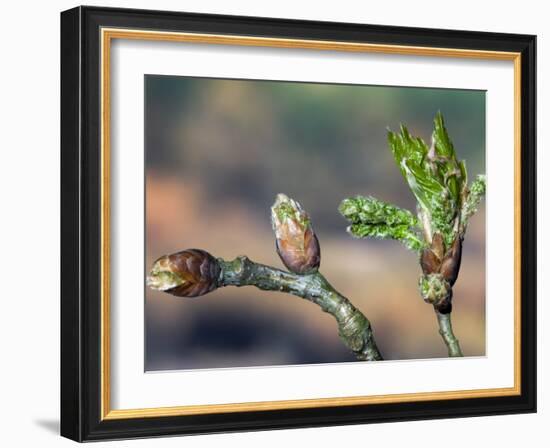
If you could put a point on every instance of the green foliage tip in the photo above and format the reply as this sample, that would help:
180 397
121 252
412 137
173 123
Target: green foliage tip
434 174
371 217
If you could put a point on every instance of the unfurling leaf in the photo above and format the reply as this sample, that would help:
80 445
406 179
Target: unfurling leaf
435 176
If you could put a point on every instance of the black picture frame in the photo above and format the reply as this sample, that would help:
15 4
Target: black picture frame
81 224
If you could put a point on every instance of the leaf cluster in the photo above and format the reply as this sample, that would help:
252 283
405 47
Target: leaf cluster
437 179
434 174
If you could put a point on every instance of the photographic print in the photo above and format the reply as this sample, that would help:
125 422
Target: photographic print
293 223
253 208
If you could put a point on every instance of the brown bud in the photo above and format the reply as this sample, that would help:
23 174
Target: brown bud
429 262
296 242
438 245
440 273
189 273
451 263
430 259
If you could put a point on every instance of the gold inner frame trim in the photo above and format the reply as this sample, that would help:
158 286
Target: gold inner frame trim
107 35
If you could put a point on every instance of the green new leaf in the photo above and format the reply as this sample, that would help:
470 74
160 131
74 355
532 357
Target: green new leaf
449 167
434 175
371 217
443 145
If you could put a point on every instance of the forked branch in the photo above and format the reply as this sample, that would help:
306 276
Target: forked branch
194 272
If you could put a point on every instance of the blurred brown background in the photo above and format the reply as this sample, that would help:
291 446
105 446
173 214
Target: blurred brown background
217 153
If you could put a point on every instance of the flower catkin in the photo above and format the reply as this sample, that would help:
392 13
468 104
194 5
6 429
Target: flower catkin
296 242
189 273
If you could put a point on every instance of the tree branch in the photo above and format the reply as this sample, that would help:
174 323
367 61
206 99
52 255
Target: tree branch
353 327
195 272
446 332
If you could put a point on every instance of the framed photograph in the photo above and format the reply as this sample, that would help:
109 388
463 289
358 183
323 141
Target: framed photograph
275 224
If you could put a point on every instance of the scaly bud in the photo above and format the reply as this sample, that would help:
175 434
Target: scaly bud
296 242
430 259
451 263
189 273
434 259
440 271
